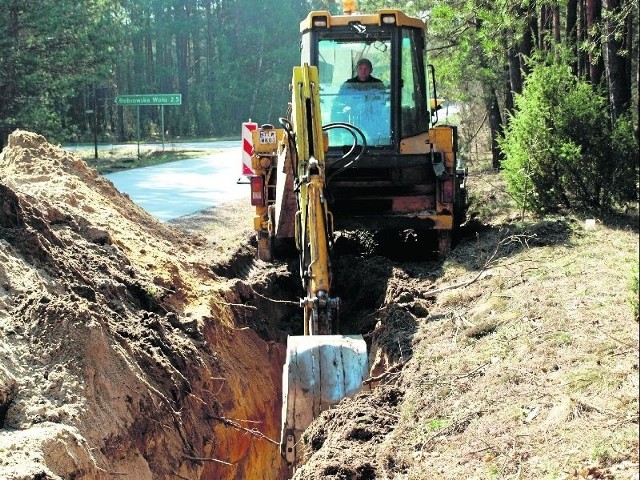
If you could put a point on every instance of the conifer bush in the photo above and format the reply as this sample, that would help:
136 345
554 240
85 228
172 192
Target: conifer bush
561 150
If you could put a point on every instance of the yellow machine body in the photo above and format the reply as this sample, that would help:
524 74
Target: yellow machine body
382 163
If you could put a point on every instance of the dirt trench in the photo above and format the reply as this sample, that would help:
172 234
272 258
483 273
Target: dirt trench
370 275
384 297
144 350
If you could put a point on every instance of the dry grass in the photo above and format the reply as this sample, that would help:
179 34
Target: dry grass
125 158
531 372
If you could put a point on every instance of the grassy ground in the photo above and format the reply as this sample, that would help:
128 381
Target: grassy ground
525 366
531 369
124 158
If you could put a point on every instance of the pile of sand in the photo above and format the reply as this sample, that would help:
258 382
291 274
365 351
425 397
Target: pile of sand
117 354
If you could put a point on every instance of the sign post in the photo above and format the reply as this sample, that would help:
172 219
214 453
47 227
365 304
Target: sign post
138 100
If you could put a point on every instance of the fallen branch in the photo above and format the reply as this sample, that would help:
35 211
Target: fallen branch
237 426
252 307
110 472
472 372
450 429
201 459
616 339
289 302
433 293
391 370
488 264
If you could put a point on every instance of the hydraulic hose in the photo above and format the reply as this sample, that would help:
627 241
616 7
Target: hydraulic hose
355 132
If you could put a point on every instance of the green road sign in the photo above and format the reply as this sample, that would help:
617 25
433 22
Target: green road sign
149 99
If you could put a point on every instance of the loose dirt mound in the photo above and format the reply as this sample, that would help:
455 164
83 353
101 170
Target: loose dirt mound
119 354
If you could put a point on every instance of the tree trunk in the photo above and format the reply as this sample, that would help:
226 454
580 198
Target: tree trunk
515 72
572 21
210 70
492 105
526 46
615 65
495 124
120 132
581 31
509 100
514 82
182 59
594 15
555 13
628 46
571 33
148 43
199 118
637 92
545 27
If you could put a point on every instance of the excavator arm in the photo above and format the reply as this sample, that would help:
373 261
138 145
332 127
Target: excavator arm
288 187
321 367
314 228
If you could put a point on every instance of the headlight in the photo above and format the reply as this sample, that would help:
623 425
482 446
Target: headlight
388 19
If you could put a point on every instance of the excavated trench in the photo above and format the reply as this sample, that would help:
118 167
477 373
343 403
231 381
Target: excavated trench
131 347
380 278
369 273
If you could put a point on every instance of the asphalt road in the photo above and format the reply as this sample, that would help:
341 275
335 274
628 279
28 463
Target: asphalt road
175 189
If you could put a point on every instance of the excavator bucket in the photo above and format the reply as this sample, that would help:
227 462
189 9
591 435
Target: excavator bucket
319 371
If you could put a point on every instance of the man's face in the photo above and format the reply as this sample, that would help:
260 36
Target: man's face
363 71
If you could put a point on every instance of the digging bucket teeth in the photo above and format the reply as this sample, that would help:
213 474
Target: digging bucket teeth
319 371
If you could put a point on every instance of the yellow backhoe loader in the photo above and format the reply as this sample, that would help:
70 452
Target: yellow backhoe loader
348 157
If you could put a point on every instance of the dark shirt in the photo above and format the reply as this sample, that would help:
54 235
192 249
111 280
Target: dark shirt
354 94
368 80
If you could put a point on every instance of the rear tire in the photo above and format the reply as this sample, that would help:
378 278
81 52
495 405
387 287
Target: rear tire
265 246
460 212
444 241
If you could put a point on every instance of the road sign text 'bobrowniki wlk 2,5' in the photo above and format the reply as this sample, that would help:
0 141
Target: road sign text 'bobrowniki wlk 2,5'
149 99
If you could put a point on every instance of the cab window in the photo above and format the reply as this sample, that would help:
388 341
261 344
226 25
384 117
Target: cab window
365 105
412 96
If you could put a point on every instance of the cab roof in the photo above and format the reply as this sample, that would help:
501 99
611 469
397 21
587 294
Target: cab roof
381 17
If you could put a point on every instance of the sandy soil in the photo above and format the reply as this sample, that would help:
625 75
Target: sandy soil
119 351
135 349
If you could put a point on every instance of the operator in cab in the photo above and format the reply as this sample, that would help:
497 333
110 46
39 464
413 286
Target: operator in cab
363 74
361 101
351 92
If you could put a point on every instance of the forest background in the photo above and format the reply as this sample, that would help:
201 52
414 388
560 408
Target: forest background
62 62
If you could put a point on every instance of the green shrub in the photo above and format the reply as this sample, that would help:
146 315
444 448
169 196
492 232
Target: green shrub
560 150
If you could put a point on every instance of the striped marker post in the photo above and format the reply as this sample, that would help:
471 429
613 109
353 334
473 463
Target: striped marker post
247 147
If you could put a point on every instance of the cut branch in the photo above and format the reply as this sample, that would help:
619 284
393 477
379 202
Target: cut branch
289 302
391 370
522 239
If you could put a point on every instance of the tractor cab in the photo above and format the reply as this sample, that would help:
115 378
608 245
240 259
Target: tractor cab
395 105
396 169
